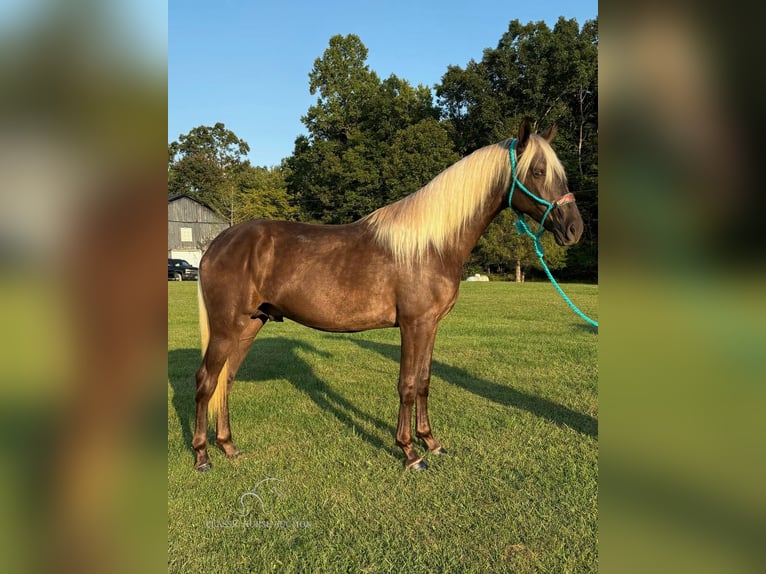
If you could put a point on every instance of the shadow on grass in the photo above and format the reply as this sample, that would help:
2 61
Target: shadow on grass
279 358
273 358
503 395
587 327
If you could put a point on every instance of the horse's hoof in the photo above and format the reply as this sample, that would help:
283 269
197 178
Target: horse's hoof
204 467
233 455
440 450
419 464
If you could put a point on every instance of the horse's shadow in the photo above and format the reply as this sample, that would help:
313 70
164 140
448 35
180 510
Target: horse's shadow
500 394
585 327
274 358
280 358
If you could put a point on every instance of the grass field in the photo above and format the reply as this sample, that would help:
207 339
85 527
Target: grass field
513 400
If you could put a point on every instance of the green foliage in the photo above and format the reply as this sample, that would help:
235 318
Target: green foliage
534 72
216 143
263 194
345 85
370 142
417 153
195 174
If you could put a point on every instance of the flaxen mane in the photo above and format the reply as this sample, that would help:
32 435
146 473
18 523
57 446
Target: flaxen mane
435 215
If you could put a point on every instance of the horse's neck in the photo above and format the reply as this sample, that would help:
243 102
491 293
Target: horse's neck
475 228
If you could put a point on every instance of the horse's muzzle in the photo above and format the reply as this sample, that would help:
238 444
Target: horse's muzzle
569 225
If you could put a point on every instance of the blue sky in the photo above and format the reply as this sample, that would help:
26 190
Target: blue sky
246 63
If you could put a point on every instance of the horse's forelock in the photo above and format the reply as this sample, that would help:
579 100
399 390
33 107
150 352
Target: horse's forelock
539 146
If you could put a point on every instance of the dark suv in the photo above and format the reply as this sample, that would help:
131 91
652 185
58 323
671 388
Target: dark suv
182 270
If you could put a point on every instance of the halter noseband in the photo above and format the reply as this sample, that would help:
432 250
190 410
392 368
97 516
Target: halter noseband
563 200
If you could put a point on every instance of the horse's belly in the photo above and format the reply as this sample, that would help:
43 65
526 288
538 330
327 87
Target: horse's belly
337 308
340 319
344 326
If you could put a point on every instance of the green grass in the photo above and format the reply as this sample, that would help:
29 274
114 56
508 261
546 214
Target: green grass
513 400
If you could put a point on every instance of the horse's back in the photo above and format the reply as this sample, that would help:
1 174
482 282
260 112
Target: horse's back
282 246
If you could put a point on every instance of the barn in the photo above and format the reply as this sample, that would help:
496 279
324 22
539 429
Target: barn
192 225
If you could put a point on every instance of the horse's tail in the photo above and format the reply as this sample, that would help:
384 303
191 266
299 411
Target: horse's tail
216 400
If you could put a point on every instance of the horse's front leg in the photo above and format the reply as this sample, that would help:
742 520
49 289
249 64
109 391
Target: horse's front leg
414 375
422 424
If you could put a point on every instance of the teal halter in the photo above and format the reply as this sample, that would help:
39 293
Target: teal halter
567 198
523 229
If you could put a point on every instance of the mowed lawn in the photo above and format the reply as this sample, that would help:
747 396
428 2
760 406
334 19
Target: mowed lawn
514 399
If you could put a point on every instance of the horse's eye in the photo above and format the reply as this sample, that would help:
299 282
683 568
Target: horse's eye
538 173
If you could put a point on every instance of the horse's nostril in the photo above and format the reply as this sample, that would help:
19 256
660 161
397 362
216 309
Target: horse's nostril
573 231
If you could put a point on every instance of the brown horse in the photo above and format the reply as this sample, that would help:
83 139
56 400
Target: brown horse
400 266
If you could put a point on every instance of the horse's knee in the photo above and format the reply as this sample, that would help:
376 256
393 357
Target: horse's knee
407 390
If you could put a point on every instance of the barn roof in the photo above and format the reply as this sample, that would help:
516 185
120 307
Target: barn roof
172 198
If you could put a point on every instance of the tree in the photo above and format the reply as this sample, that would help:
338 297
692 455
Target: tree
504 248
416 154
263 194
369 142
345 83
396 105
216 143
195 174
210 163
330 170
204 163
533 72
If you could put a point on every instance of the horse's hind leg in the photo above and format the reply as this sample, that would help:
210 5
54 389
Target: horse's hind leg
223 428
217 353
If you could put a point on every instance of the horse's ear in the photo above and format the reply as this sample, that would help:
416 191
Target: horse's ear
551 133
525 130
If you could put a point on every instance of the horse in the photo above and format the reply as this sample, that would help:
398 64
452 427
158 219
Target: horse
400 266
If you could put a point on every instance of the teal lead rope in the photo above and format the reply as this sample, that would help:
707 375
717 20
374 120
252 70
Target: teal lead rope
523 229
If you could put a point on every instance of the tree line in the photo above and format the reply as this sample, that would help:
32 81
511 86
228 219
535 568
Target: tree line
372 141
